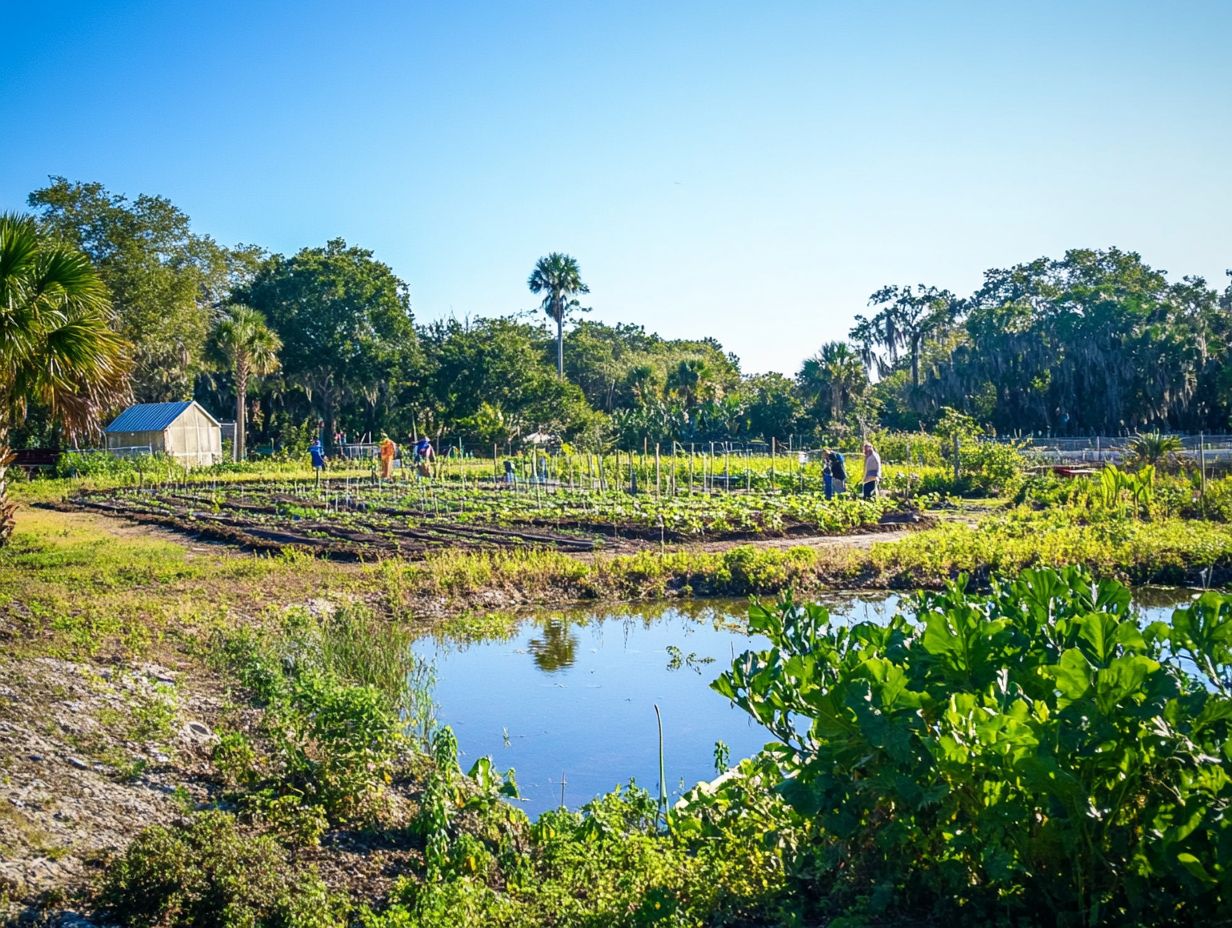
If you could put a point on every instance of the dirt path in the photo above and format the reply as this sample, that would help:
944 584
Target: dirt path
125 529
853 541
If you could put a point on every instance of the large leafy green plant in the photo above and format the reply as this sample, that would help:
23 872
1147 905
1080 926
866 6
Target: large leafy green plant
1030 756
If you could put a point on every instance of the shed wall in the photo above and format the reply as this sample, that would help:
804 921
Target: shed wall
193 438
132 443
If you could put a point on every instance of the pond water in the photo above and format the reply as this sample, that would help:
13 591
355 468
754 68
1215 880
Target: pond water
567 698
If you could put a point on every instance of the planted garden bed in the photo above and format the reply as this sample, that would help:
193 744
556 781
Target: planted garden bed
362 519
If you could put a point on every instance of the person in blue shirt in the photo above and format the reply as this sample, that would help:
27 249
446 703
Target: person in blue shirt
318 457
424 453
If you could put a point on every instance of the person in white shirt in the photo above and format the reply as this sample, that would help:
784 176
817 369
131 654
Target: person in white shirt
872 470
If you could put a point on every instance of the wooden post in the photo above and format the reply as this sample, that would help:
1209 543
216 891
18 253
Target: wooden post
658 472
690 491
956 462
1202 464
773 450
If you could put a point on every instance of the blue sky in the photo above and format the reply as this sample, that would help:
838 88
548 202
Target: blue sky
750 171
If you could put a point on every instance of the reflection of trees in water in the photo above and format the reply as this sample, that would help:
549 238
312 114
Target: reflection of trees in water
556 648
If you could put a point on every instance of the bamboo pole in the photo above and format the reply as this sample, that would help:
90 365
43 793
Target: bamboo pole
1202 466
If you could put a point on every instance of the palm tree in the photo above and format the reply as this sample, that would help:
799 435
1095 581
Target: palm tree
686 380
1156 450
643 382
250 348
57 347
835 376
557 277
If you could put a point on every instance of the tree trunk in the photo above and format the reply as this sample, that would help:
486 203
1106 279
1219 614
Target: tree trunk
241 411
8 508
560 345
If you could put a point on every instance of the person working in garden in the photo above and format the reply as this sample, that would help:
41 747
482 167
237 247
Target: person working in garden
386 451
317 452
424 453
872 470
838 471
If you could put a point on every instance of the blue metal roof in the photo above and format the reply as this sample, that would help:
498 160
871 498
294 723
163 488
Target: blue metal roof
147 417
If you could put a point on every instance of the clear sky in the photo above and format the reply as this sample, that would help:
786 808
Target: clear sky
750 170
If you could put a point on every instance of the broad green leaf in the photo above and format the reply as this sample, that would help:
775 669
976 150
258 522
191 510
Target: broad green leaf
1072 674
1194 867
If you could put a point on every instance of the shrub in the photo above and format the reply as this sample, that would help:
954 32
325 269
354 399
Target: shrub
94 464
210 874
335 739
1028 757
337 744
605 865
908 448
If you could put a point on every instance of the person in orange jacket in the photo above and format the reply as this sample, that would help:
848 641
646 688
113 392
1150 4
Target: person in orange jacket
386 452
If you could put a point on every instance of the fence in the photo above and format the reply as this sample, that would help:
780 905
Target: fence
1114 449
358 451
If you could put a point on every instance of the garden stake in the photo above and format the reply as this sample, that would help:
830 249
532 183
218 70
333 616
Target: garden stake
662 775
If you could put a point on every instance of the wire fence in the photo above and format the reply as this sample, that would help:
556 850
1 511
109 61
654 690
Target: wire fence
1115 449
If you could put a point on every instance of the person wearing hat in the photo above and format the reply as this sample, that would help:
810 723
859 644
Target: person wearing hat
838 471
317 452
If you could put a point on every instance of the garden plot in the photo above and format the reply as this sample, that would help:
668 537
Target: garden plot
360 519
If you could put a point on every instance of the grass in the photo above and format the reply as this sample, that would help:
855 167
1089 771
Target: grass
83 585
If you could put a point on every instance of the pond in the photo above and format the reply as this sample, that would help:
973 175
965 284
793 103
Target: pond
567 698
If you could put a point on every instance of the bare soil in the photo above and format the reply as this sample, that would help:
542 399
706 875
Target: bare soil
81 772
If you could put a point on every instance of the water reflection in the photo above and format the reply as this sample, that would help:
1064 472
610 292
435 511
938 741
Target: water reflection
556 648
567 697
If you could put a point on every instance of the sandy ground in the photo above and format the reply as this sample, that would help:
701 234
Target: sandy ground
82 769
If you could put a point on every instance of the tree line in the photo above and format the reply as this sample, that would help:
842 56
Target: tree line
325 340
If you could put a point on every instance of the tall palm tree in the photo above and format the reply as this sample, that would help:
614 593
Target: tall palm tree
250 348
835 376
559 279
57 347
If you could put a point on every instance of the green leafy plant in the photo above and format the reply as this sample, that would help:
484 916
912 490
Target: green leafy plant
1116 486
209 873
1162 452
1030 755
